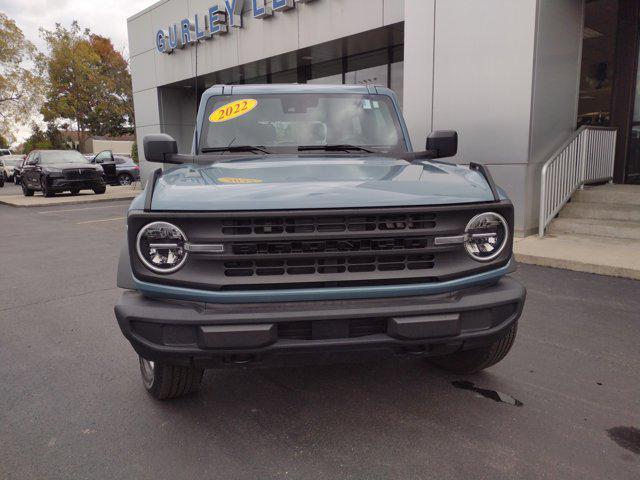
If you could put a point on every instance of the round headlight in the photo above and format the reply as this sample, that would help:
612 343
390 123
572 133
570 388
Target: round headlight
161 247
486 236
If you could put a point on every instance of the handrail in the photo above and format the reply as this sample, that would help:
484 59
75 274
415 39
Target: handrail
586 157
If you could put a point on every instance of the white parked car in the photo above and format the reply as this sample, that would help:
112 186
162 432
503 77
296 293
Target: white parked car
8 164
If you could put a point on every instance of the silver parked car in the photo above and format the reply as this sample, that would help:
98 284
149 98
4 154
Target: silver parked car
8 164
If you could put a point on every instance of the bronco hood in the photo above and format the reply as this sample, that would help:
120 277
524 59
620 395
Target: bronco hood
310 182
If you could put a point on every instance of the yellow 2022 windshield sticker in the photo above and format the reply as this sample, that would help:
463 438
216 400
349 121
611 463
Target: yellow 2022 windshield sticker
233 110
239 180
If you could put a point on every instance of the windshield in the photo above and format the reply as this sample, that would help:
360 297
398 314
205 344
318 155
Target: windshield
11 162
302 119
48 157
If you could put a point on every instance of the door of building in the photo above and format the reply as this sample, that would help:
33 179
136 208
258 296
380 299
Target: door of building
610 78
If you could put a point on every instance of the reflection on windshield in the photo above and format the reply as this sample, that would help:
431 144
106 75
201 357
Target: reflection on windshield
61 156
292 120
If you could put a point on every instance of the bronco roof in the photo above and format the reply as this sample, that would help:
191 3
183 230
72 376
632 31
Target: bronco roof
292 88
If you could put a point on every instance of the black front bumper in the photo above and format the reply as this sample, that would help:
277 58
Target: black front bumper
210 335
61 184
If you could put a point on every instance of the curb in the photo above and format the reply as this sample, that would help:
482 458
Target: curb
18 201
577 266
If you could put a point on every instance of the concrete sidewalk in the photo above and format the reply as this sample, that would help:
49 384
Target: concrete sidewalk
112 193
601 255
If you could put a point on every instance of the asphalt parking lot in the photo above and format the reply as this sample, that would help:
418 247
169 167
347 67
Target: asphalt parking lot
72 405
10 189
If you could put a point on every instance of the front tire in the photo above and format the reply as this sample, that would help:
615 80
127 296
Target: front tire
125 179
468 362
164 382
46 190
27 192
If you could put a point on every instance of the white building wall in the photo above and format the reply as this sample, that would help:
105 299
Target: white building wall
503 73
556 88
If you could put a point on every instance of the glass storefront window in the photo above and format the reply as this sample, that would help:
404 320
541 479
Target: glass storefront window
330 80
371 76
598 63
632 174
288 76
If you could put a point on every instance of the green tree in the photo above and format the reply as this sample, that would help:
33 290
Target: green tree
89 83
3 142
134 151
55 138
113 108
38 140
20 79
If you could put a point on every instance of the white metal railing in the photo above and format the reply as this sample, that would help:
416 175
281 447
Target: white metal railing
587 157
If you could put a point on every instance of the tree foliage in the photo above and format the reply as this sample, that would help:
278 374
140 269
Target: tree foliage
20 79
89 83
48 139
134 151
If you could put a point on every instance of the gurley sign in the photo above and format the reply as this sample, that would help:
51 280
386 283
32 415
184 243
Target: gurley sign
216 22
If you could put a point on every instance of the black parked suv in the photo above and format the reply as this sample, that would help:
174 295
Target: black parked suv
56 171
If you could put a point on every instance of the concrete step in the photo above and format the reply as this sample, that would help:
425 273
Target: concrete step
601 211
611 194
595 227
604 256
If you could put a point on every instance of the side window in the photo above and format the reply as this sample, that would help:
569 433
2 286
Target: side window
103 156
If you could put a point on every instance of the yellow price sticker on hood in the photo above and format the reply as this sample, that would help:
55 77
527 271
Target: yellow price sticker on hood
233 110
239 180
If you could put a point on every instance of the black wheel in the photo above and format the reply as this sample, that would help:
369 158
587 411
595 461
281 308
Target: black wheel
125 179
27 192
99 190
46 190
169 381
75 191
467 362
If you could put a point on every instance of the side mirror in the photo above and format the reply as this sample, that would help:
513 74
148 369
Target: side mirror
443 142
156 146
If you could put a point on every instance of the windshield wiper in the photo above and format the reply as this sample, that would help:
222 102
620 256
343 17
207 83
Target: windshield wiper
334 148
237 148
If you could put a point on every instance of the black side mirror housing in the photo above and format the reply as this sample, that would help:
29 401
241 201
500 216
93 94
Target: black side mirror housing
443 142
156 146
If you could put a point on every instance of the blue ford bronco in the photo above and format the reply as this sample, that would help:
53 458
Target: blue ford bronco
303 225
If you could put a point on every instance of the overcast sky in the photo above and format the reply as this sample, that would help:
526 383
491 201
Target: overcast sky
104 17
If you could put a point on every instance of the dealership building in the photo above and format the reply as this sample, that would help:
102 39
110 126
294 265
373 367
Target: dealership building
515 78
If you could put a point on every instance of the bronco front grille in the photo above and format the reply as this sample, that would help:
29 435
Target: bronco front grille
332 248
328 224
324 266
329 246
